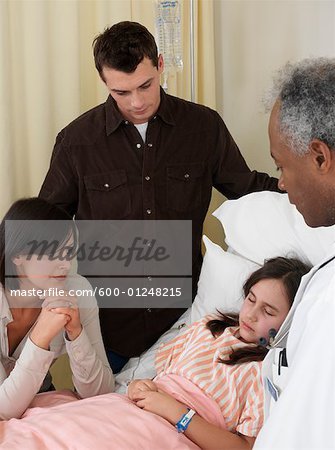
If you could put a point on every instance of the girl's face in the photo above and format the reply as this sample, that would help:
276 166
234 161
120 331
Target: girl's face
265 307
44 272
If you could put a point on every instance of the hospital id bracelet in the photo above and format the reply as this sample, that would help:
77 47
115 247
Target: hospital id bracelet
185 421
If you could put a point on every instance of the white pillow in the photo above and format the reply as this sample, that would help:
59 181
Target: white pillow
263 225
221 281
219 288
258 226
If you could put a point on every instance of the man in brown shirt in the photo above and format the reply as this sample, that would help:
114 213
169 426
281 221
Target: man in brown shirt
144 154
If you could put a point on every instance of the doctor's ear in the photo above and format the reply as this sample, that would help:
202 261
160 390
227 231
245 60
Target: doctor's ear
322 156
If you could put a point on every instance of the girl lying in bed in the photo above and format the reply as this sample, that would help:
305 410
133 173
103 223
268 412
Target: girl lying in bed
37 322
222 357
211 372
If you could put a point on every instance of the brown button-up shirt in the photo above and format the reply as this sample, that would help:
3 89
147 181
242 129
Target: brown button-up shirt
102 169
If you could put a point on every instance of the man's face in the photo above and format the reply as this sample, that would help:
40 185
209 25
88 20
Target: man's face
137 94
306 186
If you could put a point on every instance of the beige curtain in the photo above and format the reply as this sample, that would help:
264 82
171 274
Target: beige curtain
47 75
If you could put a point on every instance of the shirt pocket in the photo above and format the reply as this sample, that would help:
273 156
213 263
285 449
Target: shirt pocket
108 195
184 186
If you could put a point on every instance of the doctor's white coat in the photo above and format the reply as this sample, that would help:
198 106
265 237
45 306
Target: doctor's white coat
303 417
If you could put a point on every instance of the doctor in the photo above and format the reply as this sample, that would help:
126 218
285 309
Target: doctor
299 373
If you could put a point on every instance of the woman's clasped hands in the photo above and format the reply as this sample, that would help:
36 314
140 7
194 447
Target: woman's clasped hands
57 313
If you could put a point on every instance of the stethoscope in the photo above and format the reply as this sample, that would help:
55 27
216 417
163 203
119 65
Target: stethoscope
267 342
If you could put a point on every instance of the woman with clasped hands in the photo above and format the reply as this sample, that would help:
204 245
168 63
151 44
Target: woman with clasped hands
39 319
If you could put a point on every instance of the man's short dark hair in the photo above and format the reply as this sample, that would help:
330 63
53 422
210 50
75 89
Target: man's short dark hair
123 46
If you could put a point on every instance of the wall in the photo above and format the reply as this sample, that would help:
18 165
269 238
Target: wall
253 39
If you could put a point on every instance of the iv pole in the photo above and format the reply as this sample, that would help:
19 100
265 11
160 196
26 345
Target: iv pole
192 58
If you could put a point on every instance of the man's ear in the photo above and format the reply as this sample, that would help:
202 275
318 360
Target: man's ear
160 64
323 157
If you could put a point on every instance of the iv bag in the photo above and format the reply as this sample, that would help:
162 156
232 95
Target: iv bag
168 27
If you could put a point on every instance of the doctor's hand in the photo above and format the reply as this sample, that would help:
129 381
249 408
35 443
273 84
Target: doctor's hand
138 386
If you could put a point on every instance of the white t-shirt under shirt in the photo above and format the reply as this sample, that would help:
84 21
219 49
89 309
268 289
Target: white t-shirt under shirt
142 129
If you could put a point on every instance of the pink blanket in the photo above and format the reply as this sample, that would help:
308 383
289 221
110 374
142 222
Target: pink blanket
60 421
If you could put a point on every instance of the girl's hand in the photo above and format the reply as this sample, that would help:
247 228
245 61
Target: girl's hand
137 386
162 404
47 326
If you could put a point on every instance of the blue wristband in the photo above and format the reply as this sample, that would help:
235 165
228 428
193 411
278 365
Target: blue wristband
185 421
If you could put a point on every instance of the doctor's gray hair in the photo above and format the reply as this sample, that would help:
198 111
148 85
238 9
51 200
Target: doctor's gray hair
306 91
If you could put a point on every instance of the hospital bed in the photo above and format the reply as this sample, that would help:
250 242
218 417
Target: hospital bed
257 227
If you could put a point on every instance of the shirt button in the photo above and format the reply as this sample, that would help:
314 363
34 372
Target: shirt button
186 176
155 117
147 178
126 122
148 211
138 145
106 185
150 145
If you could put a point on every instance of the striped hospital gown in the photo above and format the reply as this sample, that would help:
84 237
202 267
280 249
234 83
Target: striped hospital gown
237 389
